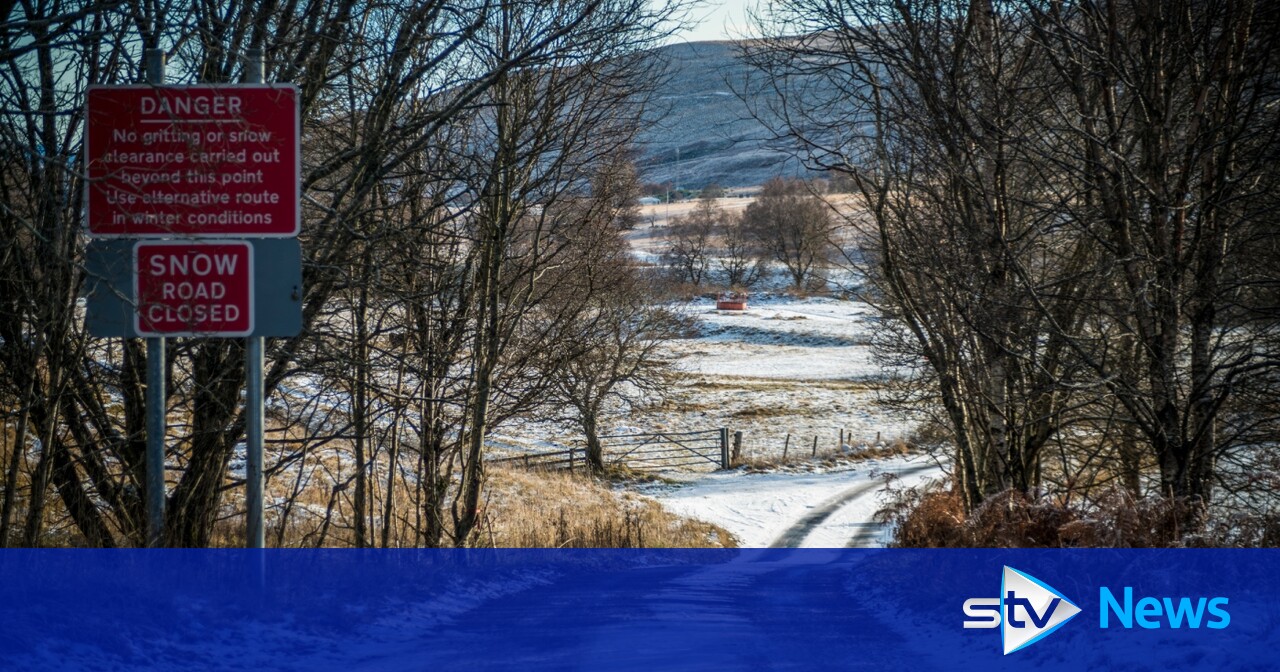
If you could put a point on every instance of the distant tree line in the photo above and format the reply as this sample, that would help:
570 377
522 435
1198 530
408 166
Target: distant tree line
788 225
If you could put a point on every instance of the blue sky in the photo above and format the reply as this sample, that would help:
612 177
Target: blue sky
719 21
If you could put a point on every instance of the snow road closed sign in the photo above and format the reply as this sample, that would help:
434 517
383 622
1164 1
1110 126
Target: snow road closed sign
192 160
190 289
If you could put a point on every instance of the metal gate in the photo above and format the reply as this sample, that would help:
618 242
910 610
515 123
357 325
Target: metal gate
666 450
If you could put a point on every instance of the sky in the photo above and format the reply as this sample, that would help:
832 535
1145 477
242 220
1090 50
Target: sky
719 21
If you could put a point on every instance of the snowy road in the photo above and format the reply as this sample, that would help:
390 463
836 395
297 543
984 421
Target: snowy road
832 509
795 535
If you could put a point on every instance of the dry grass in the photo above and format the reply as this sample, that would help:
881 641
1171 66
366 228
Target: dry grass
800 455
521 509
763 412
750 384
561 510
58 530
935 518
623 475
684 405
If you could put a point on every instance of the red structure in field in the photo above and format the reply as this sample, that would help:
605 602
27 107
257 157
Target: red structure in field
731 301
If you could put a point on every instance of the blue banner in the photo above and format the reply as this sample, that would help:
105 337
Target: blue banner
639 609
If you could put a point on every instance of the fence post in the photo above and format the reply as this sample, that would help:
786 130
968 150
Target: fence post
786 445
815 446
724 448
737 445
571 459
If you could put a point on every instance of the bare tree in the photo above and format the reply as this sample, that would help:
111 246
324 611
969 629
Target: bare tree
392 94
613 355
792 226
1171 109
1070 263
618 184
946 223
737 251
552 129
689 250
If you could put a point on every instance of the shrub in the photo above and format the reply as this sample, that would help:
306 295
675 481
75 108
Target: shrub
933 517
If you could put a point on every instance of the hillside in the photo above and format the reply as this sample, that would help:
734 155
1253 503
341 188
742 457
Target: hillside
698 115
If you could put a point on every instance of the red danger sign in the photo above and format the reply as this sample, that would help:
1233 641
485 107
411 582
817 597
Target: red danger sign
193 289
192 160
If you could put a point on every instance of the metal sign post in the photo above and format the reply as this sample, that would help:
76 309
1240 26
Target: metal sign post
156 388
254 401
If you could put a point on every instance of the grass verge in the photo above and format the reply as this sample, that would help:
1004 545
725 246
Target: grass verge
532 509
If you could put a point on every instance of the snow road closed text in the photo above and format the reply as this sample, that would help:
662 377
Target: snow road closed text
186 288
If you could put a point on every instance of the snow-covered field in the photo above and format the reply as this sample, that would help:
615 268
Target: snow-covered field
785 366
783 338
793 374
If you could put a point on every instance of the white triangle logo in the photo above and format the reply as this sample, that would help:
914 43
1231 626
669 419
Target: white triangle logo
1030 610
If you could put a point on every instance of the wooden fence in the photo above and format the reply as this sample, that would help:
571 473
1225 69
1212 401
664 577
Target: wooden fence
556 460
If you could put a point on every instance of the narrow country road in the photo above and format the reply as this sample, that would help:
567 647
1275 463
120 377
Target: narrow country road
796 534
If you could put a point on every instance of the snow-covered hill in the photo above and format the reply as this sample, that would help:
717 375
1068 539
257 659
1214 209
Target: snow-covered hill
701 131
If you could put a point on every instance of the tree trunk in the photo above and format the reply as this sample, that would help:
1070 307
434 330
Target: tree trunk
83 511
360 408
1130 460
15 461
595 451
218 375
393 458
34 527
466 508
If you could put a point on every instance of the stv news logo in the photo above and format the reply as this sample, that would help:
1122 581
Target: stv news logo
1026 611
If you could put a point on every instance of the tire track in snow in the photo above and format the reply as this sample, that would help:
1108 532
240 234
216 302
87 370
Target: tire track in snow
795 535
865 536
